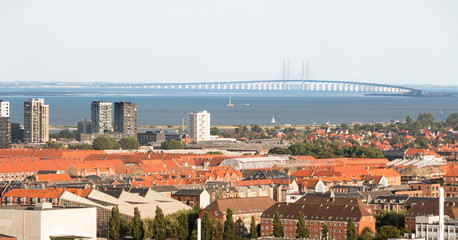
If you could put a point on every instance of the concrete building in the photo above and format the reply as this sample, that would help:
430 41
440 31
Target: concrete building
427 227
255 162
17 133
150 137
125 118
199 126
101 117
84 127
36 121
5 130
44 222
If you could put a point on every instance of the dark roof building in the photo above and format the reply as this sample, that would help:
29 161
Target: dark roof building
242 211
318 211
429 207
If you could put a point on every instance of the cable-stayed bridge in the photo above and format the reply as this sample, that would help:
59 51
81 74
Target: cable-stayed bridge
286 85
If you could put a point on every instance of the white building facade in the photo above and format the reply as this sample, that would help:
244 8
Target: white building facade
101 116
36 121
4 108
427 227
199 126
44 222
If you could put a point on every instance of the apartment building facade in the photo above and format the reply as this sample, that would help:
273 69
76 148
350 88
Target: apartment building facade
36 121
101 116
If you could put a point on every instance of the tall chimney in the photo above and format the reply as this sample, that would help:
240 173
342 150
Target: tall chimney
199 226
441 214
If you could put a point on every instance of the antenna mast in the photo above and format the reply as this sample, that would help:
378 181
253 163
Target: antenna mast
307 69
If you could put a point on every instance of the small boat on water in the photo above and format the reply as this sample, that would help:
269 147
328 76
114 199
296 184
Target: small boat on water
273 119
229 104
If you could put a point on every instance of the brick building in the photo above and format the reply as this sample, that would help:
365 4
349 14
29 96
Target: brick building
427 189
319 211
192 197
242 208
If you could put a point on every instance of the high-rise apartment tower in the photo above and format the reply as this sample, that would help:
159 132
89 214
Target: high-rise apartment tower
36 121
125 118
101 117
5 130
199 126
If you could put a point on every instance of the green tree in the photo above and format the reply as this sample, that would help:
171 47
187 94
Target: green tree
183 227
115 224
253 228
229 227
218 228
66 134
421 141
103 143
125 225
452 121
215 131
366 234
351 231
136 229
301 231
207 231
278 226
129 143
280 151
53 145
385 232
426 119
193 214
149 228
171 144
325 232
409 121
390 218
159 225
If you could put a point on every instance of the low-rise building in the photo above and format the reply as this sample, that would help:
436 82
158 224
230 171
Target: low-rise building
393 203
428 208
44 222
242 211
318 211
427 189
427 227
192 197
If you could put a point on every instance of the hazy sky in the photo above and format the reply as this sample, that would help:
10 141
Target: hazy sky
389 41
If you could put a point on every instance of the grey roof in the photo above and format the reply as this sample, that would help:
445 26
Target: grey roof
399 199
188 192
375 194
269 174
112 192
46 171
141 191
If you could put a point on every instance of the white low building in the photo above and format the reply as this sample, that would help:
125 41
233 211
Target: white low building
427 227
255 162
44 222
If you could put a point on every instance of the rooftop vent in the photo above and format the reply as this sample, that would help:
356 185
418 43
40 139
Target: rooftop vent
44 205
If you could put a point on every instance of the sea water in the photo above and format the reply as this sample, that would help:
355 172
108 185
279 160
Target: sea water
69 105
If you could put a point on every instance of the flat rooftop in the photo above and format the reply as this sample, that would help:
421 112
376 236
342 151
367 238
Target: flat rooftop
35 208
